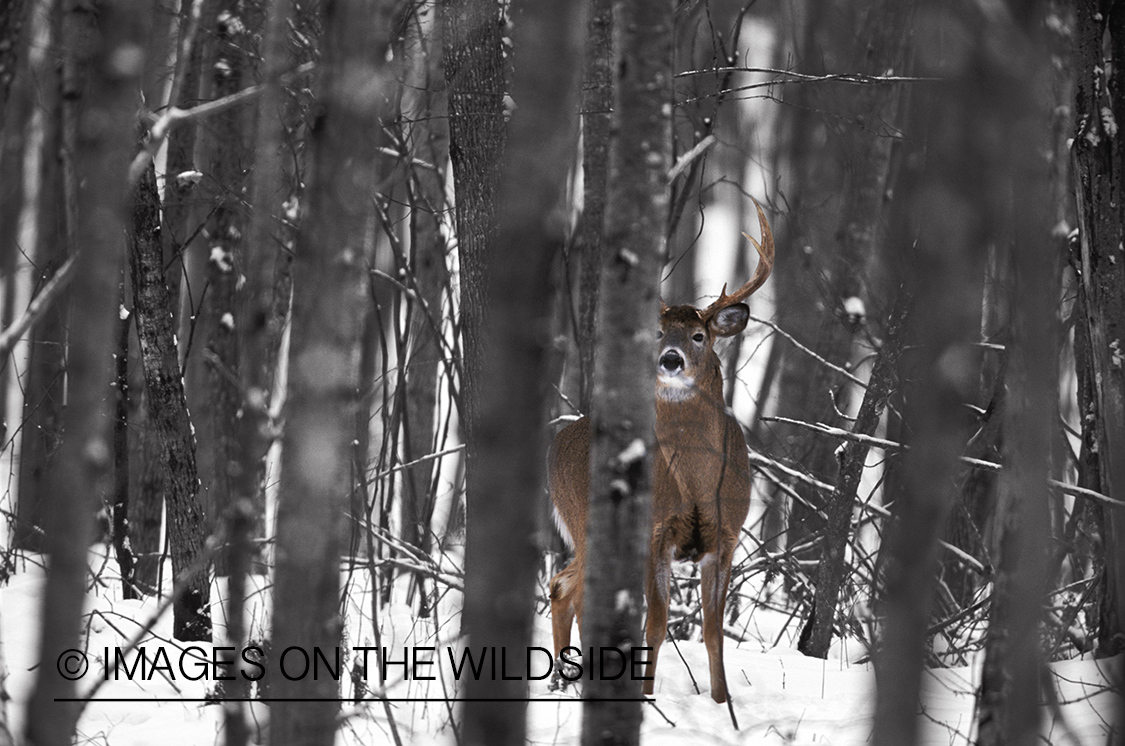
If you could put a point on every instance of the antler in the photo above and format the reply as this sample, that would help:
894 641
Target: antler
765 266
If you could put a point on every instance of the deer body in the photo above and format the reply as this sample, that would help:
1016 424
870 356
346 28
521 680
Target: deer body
700 481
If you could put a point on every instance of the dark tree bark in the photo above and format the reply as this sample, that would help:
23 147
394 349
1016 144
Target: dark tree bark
474 72
500 551
597 117
105 144
329 296
1099 157
618 526
168 414
816 635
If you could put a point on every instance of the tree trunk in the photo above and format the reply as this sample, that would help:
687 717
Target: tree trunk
806 275
623 411
1099 157
880 46
329 295
942 219
816 635
474 72
263 301
500 551
41 235
1008 708
217 400
181 214
122 544
597 117
425 117
168 415
105 145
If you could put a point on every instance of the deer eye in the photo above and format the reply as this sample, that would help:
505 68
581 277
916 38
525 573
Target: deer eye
698 336
660 334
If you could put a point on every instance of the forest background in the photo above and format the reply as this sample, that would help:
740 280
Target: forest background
293 295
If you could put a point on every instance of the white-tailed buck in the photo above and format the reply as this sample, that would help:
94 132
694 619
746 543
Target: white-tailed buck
701 475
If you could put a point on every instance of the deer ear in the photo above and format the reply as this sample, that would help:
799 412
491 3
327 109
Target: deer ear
730 320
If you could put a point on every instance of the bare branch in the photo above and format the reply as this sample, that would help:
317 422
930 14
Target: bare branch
890 445
37 308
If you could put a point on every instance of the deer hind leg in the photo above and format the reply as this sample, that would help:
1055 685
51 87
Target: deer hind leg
656 622
713 588
566 602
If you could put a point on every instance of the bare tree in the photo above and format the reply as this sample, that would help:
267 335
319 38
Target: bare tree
475 75
1101 285
329 294
106 142
943 218
623 410
597 117
168 414
1008 704
427 134
41 236
879 46
500 552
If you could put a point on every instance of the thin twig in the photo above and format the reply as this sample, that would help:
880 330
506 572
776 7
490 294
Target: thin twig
890 445
847 374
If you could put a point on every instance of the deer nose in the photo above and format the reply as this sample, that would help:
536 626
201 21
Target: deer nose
672 361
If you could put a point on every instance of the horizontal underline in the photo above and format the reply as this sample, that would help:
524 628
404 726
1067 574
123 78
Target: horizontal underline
349 700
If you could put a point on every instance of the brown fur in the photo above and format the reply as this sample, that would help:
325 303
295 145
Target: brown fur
701 479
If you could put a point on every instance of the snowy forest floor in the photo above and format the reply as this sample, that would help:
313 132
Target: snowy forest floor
779 695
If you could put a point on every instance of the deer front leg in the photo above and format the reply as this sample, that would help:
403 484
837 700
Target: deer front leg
713 588
656 622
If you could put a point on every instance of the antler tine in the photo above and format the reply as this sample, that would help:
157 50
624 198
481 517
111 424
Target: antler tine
765 266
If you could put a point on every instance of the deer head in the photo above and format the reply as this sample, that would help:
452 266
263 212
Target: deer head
687 365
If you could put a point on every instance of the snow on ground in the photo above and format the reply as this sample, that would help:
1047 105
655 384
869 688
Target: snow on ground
780 696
